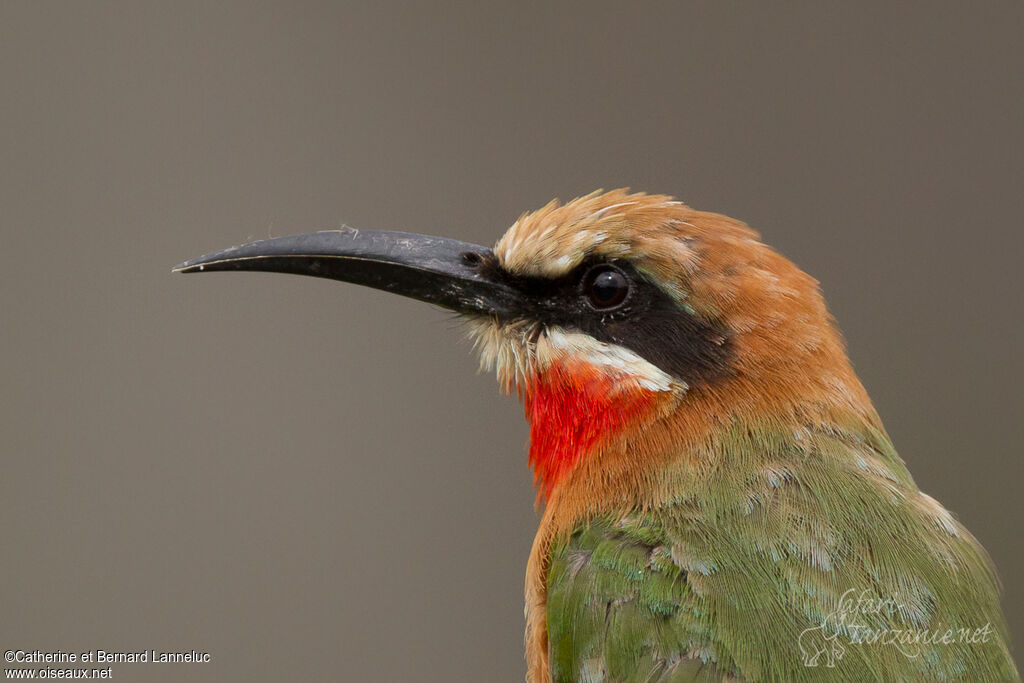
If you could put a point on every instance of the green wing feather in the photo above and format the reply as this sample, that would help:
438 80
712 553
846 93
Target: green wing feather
742 576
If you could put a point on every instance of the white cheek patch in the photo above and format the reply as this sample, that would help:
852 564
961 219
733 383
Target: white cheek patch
615 361
519 350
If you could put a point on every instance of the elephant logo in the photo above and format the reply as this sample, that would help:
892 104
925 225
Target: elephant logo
816 641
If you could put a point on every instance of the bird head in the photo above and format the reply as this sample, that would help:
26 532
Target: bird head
633 327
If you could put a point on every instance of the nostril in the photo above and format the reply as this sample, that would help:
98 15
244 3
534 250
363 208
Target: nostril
471 258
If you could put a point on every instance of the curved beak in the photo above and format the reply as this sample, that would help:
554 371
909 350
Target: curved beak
455 275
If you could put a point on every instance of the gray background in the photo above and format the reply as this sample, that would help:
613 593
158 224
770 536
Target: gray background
307 479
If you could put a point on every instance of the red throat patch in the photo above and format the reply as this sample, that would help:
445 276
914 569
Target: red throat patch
573 408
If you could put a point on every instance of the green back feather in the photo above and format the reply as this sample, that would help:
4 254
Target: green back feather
749 562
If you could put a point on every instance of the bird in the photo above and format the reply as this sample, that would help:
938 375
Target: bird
719 499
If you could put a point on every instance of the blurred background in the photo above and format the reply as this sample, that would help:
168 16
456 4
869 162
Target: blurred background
309 480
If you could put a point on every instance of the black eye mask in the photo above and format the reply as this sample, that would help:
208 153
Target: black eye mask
612 302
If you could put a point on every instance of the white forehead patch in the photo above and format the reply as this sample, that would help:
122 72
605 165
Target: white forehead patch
553 240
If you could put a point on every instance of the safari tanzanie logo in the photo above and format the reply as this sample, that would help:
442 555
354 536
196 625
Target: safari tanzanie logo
862 619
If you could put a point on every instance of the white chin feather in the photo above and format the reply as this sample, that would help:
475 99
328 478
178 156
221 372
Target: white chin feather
520 350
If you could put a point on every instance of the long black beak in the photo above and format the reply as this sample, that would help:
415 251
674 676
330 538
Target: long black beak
456 275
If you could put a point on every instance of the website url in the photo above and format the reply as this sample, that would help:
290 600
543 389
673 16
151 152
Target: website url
48 673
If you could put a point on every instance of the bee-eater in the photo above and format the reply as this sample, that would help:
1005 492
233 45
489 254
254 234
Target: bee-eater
720 499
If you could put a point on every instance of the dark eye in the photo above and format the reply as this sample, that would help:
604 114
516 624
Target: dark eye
605 287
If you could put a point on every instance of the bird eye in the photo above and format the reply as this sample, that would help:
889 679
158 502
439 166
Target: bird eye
605 287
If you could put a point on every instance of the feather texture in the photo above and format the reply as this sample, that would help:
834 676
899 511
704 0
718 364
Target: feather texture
745 518
801 546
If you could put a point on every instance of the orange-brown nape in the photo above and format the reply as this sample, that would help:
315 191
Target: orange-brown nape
772 350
